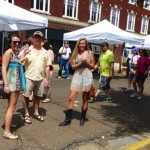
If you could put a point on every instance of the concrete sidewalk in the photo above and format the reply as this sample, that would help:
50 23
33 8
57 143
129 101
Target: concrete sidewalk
132 142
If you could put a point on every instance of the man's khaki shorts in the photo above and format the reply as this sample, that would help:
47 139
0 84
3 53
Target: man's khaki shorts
36 86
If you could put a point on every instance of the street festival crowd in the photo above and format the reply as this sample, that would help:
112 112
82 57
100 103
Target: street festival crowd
28 68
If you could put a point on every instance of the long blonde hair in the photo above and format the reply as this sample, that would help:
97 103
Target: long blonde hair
76 49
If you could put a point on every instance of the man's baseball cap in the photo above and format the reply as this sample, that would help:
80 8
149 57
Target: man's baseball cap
104 44
39 33
135 49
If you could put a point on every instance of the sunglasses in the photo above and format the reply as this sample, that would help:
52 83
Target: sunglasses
15 42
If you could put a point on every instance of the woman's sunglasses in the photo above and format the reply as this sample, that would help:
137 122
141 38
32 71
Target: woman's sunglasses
15 42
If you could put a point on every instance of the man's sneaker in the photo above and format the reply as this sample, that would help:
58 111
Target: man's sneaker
139 97
68 78
59 77
127 90
134 95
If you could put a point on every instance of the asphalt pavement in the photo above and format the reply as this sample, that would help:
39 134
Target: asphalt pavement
122 124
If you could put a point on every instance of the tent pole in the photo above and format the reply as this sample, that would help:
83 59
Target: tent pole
46 33
3 41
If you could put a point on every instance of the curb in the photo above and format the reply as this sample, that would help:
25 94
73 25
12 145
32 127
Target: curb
138 145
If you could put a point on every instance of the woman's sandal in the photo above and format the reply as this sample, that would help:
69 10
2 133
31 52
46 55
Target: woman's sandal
10 136
27 119
46 100
38 117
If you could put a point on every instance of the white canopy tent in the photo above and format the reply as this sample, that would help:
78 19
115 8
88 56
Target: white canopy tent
104 31
14 18
145 45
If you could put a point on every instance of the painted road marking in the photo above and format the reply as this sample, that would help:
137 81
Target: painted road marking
138 145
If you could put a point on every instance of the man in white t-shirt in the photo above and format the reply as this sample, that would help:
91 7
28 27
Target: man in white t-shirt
65 52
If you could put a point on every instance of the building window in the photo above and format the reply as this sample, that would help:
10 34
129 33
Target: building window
146 4
132 2
71 8
144 25
130 21
114 16
95 12
10 1
41 5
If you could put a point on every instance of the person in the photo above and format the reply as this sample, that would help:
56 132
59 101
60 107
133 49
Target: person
49 48
36 62
65 52
26 45
130 55
82 61
133 66
106 64
143 67
14 81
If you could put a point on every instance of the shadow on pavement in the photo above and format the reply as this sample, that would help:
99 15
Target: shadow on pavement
17 122
131 115
42 111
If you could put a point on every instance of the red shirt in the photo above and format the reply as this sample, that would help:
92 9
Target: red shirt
142 65
0 59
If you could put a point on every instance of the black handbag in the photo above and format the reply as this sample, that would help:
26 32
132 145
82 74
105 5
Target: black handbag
3 95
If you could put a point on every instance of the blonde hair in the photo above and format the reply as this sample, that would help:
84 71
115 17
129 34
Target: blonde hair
76 49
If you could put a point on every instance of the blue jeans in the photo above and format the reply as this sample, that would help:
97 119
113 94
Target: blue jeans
64 64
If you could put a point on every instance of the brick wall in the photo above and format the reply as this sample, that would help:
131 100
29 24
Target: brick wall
56 9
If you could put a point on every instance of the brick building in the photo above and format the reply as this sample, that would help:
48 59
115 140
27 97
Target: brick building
68 15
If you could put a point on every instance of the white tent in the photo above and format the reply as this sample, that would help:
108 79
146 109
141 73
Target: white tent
104 31
145 45
14 18
147 42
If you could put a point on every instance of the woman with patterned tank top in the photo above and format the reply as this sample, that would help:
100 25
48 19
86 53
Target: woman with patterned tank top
14 81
